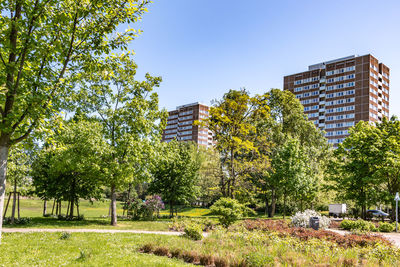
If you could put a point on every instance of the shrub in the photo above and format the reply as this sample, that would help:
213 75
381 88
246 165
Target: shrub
358 225
179 224
386 227
229 211
302 219
194 231
152 205
190 256
20 221
220 262
161 251
148 248
206 260
176 253
65 235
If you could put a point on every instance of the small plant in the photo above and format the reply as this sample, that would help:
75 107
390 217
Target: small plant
161 251
65 235
148 248
220 262
229 211
176 253
302 219
206 260
190 256
386 227
83 255
194 231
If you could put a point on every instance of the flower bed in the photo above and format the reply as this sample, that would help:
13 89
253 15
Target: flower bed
283 229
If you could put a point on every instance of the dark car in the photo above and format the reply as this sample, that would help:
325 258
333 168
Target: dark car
377 213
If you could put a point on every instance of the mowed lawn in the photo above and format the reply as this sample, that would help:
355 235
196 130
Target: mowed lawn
83 249
95 216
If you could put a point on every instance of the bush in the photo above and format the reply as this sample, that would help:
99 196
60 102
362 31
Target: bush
359 225
386 227
229 211
65 235
302 219
179 224
194 231
20 221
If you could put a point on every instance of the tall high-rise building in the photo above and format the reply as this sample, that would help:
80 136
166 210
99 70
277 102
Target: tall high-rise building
180 125
337 94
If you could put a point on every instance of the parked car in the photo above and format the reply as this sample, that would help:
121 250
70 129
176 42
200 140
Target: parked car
377 213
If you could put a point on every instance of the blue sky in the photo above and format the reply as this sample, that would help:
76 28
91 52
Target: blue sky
203 48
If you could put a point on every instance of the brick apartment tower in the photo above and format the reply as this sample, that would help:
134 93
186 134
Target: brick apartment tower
180 125
337 94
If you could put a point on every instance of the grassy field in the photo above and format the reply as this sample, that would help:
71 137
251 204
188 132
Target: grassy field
83 249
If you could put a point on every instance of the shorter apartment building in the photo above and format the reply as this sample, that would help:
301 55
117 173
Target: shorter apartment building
337 94
180 125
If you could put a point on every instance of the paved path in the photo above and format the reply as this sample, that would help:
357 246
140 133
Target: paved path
72 230
394 237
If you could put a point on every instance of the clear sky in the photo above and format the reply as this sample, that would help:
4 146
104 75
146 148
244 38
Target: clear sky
203 48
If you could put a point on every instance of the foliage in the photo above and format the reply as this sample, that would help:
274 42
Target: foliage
359 225
17 221
209 176
231 121
283 229
302 219
65 235
386 227
70 168
260 248
175 173
229 211
179 224
194 231
365 168
130 117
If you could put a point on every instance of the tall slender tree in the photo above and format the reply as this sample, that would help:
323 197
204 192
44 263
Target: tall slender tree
129 113
44 44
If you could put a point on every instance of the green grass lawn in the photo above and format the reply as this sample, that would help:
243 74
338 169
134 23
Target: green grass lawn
83 249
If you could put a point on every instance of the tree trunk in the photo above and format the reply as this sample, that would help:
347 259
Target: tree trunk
273 204
113 206
44 207
77 208
284 206
59 207
266 212
171 209
14 204
8 203
54 204
3 173
19 216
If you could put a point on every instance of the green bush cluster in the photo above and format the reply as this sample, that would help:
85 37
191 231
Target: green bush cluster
194 231
20 221
365 226
359 225
229 211
386 227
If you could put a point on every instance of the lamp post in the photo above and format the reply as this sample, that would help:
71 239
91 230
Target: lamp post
397 198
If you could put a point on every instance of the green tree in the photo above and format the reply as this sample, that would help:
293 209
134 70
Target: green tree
70 169
286 123
229 210
18 172
175 173
130 117
44 44
353 167
231 121
209 176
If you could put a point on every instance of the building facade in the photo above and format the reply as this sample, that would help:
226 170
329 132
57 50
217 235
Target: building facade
180 125
337 94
